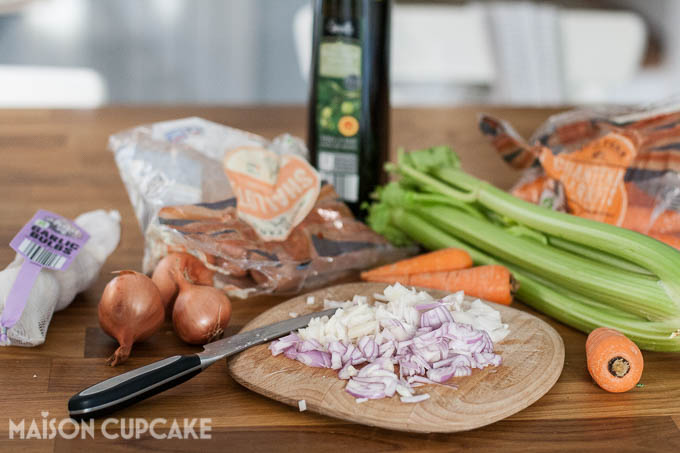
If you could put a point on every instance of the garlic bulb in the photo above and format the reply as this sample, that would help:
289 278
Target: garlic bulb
31 328
55 290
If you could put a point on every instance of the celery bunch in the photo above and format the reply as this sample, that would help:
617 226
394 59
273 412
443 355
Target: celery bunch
584 273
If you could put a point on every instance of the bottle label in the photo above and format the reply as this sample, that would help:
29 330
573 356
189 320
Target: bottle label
338 107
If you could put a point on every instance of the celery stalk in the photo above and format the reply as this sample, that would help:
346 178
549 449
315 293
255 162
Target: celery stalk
653 255
597 255
649 335
623 289
560 303
439 170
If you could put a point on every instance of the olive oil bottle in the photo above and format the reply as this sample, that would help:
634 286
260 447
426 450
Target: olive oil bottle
349 96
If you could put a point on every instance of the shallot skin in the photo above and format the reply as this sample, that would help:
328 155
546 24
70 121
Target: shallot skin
164 274
130 310
201 313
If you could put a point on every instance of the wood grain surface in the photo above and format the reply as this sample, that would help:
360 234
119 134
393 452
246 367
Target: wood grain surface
57 160
532 354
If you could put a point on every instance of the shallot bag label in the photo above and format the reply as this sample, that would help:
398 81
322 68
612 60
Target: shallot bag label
47 240
274 192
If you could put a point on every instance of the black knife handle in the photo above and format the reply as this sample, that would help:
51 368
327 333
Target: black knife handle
133 386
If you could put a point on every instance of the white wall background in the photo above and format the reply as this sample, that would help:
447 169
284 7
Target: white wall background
164 51
243 51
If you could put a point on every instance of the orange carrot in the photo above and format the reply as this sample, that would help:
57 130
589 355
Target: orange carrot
493 282
614 362
440 260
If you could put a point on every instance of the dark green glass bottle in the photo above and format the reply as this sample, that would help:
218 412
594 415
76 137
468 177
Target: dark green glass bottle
349 96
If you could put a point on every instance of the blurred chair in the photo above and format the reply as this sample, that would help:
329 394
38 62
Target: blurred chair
502 52
51 87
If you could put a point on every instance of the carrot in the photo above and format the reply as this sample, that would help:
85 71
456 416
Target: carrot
493 282
614 362
440 260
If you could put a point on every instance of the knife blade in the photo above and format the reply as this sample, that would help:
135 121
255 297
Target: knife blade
136 385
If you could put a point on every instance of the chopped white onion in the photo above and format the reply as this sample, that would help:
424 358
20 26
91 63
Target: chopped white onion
302 405
415 399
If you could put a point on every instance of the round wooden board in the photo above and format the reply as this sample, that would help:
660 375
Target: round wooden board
533 357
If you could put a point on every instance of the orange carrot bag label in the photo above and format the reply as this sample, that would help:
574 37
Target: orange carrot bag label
592 177
274 192
618 165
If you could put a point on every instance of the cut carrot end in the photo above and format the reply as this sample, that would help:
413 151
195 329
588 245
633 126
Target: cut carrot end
614 362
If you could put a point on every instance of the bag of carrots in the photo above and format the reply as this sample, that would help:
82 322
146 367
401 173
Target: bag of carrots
620 166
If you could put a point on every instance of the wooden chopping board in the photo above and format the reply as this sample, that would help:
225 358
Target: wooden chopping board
533 357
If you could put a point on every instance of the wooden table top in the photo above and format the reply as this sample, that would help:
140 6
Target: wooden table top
58 160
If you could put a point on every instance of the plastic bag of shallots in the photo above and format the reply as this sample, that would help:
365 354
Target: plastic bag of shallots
252 210
615 165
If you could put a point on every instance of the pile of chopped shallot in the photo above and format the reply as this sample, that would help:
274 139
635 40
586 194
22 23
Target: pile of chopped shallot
430 340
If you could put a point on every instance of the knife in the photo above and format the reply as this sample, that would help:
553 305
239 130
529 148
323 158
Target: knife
141 383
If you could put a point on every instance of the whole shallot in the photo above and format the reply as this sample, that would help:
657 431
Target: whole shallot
201 313
130 310
163 275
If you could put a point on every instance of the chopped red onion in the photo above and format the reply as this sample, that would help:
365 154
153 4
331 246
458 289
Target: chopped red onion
436 317
368 348
457 360
336 361
347 372
462 371
279 346
404 388
387 349
423 339
310 345
373 387
423 330
371 391
380 364
419 379
430 306
440 375
291 353
399 330
357 357
336 349
318 359
347 356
